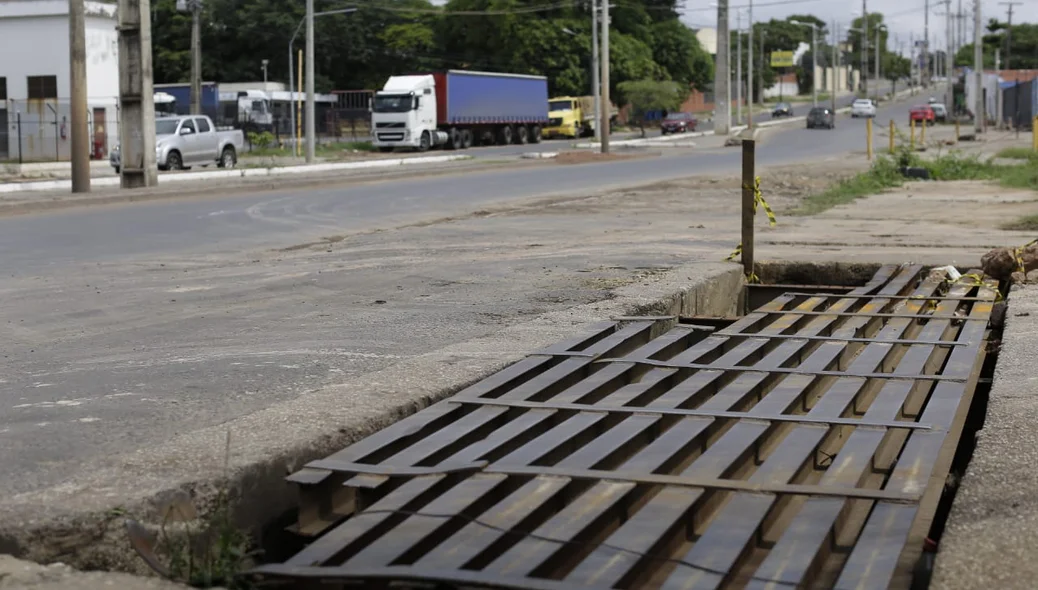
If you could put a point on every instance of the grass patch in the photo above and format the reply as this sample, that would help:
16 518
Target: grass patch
1025 223
325 150
1017 153
885 173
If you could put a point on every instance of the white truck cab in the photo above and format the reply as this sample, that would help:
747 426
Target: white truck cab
403 114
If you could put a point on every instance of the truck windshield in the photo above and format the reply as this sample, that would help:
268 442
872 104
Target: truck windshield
166 127
560 105
391 103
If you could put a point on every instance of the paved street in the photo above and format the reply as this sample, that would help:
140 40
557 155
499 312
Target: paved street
130 324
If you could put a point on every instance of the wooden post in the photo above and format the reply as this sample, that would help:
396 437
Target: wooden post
1034 134
868 137
748 175
893 130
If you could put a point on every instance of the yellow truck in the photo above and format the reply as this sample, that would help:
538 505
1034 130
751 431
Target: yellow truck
570 116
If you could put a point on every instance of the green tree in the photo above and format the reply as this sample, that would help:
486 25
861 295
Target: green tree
646 96
858 44
677 51
1023 54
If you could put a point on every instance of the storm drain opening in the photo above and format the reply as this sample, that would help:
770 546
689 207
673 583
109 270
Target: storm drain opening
806 443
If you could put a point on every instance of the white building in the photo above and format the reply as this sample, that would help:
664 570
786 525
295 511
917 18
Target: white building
34 79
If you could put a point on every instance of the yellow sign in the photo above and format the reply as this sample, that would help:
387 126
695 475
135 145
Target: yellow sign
781 59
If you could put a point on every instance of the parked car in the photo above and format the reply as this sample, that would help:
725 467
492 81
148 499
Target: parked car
190 140
863 107
678 123
821 117
940 112
923 112
782 109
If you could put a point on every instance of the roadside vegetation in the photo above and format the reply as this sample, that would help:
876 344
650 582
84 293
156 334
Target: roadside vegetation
886 173
265 145
1018 153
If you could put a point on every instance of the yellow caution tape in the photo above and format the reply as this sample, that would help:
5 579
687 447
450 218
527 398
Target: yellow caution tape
1018 254
758 201
975 280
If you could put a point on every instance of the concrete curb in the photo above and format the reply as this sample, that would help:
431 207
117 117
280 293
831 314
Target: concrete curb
48 185
989 539
539 155
73 522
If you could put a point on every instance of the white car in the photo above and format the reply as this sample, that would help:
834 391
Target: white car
863 107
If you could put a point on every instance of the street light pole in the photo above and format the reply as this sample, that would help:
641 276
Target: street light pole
311 128
723 73
604 121
814 59
877 49
596 87
738 67
291 67
749 69
264 64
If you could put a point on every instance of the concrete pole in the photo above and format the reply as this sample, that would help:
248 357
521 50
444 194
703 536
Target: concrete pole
604 122
999 116
311 128
749 70
978 70
196 57
864 50
760 70
738 68
814 64
924 67
136 95
948 63
596 87
292 101
80 154
836 64
877 51
723 73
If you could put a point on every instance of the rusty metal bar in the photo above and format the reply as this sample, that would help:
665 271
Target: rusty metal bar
653 455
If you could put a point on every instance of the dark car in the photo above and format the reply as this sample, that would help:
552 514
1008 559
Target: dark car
821 117
782 109
678 123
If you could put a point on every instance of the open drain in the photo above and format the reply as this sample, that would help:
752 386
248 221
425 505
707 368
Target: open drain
806 444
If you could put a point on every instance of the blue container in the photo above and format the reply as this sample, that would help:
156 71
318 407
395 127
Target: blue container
476 98
182 93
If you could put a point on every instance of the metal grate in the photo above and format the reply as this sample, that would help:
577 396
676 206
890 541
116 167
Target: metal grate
804 445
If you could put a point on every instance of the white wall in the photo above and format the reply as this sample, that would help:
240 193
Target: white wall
34 42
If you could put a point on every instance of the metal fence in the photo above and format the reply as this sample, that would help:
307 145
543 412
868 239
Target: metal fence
1018 104
40 130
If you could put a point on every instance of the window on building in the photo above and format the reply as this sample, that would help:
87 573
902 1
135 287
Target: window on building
42 87
3 88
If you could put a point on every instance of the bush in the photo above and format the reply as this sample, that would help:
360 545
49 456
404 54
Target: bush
261 139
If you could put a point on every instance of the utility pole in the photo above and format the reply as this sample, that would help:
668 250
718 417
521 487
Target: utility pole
924 71
998 103
311 128
738 67
1009 33
760 69
749 70
978 71
723 73
196 56
605 76
80 154
136 102
596 88
836 63
877 49
864 50
948 55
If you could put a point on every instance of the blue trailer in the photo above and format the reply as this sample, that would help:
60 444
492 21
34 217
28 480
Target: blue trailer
457 109
182 93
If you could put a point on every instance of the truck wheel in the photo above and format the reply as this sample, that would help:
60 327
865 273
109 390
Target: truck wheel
174 161
424 143
505 137
523 135
454 139
535 134
466 139
228 158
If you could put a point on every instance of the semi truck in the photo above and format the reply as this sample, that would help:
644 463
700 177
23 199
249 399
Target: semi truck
457 109
573 116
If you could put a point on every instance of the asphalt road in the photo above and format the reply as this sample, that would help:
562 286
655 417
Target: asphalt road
229 223
127 325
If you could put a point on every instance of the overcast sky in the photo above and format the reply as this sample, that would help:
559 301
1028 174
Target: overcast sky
903 17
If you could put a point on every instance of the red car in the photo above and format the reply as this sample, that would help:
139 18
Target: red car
922 112
678 123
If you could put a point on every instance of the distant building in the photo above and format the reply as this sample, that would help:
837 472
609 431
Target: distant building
34 79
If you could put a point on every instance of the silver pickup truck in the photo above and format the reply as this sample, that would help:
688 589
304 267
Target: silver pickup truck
190 140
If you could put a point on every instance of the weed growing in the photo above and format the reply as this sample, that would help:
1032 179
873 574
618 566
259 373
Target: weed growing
886 173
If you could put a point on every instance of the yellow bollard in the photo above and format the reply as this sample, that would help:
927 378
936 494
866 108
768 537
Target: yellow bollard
922 134
1034 134
893 130
912 125
868 137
